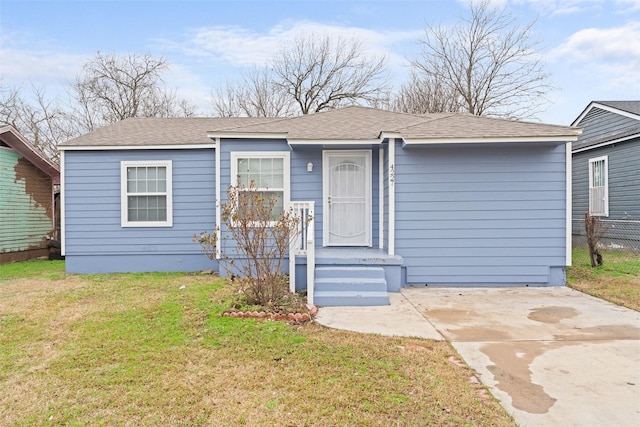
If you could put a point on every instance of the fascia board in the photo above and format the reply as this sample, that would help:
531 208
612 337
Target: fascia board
604 144
133 147
434 141
329 142
606 108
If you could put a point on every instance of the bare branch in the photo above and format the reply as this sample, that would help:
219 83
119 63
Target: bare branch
255 96
310 75
489 62
114 88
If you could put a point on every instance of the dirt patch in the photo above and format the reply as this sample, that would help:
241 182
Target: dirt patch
513 376
553 314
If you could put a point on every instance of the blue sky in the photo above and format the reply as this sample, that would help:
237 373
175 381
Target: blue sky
591 48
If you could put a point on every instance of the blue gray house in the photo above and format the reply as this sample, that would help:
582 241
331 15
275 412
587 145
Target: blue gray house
606 171
397 199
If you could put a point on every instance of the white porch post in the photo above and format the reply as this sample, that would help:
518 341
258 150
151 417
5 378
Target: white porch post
311 255
218 196
63 192
569 206
392 196
381 198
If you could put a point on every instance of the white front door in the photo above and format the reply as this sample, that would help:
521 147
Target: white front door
347 198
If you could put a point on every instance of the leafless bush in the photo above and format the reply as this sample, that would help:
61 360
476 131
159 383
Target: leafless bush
257 235
594 229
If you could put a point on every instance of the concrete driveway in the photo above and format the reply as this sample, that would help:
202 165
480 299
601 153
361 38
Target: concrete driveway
551 356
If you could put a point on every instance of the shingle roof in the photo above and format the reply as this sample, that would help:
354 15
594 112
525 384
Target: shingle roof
628 106
460 126
347 124
158 131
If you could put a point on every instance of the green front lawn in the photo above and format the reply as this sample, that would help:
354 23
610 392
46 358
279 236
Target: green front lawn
617 280
136 349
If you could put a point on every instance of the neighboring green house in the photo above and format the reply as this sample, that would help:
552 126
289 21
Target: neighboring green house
27 206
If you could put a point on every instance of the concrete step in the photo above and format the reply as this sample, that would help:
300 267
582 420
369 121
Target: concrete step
349 271
351 284
346 298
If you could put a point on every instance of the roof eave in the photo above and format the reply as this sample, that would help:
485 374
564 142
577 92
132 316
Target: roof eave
605 143
135 147
490 140
333 142
18 142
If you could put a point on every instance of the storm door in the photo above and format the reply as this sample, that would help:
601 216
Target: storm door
347 198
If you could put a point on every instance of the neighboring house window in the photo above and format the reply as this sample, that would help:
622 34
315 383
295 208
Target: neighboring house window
146 194
269 173
599 186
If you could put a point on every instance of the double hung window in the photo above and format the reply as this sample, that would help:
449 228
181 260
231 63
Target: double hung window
599 186
263 173
146 199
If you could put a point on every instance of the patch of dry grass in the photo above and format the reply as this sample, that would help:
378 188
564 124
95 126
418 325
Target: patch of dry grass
617 281
138 350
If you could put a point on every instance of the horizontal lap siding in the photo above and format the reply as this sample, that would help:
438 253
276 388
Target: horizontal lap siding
92 205
624 187
480 215
226 148
600 123
307 186
26 204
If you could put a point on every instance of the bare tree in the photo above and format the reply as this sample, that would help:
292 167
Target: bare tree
309 75
113 88
45 123
255 96
422 95
324 73
489 61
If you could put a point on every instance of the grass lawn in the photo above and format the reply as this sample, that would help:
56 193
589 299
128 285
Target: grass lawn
151 349
617 280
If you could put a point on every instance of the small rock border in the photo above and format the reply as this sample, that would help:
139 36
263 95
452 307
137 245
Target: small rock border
292 317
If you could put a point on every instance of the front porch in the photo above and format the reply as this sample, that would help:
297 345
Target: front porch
336 276
349 276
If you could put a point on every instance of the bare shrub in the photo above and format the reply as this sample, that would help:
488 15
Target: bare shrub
254 244
595 229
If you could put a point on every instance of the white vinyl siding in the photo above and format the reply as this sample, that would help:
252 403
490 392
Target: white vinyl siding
146 194
267 171
599 186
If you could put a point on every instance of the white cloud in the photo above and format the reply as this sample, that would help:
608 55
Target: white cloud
566 7
240 47
39 64
629 5
611 54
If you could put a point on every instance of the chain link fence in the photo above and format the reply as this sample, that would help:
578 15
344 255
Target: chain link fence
619 244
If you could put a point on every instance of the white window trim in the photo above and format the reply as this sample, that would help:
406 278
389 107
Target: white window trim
123 193
606 184
286 162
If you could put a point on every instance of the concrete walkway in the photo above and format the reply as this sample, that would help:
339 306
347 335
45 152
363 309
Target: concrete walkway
551 356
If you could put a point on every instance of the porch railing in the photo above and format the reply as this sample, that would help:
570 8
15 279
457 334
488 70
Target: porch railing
303 244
